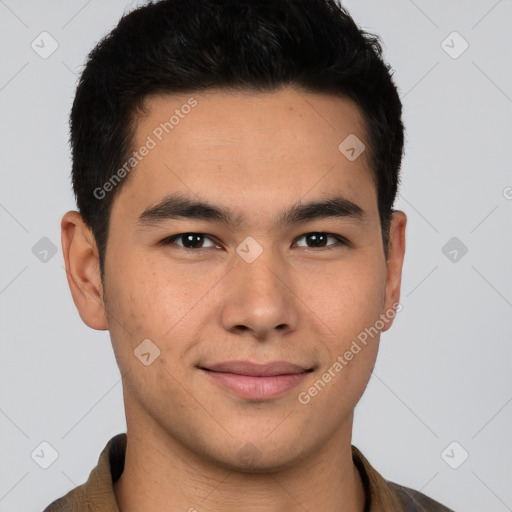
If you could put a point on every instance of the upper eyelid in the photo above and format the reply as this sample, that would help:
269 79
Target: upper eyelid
334 235
172 238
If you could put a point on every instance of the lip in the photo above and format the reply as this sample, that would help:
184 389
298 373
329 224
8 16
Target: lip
257 381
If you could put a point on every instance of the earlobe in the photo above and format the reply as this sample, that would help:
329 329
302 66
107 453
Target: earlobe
82 270
394 263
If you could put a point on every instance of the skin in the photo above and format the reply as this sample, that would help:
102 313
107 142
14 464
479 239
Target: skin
256 154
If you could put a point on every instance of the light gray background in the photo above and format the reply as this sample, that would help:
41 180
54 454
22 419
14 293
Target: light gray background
444 370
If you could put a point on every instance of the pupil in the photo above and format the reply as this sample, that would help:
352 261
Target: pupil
193 240
318 239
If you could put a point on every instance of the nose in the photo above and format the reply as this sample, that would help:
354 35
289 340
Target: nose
259 298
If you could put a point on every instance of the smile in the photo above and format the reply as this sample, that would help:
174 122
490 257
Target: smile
257 381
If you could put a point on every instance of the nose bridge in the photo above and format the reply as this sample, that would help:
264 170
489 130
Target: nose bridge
260 298
263 274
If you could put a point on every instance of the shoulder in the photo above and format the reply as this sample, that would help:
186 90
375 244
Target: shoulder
59 505
386 496
99 484
415 501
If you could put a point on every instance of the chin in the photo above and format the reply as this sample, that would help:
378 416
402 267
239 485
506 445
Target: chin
261 456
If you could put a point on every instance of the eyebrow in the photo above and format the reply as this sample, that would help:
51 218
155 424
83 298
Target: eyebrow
176 206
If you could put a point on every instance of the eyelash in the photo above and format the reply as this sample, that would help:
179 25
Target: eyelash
341 241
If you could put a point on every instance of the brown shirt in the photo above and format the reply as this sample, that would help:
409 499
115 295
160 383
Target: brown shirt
97 494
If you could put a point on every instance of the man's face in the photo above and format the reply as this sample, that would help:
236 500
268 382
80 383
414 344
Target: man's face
253 288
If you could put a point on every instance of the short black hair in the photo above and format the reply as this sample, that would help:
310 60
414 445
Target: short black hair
182 46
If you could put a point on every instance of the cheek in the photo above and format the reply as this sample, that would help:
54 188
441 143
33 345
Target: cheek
152 298
347 299
351 304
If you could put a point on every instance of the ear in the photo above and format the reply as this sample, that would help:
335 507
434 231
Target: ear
394 262
82 270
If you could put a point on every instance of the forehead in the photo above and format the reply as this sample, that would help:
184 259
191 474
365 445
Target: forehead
243 148
203 118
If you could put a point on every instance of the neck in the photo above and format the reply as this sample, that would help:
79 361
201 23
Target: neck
162 475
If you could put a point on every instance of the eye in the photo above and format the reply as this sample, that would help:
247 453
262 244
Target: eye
197 241
319 240
190 241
